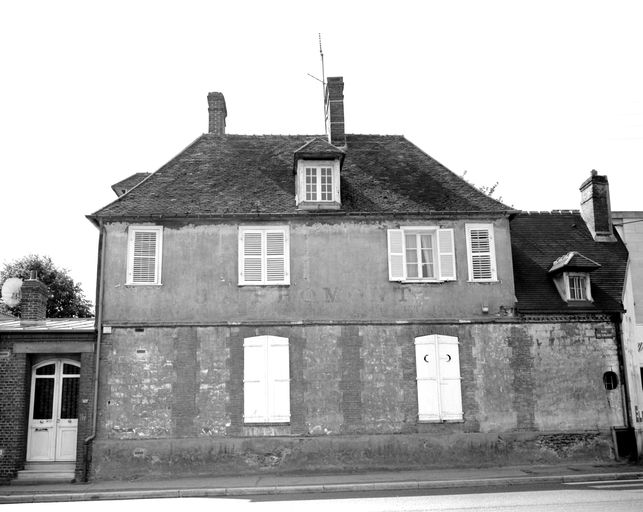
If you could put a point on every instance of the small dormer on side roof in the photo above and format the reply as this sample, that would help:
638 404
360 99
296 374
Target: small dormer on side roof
570 273
317 168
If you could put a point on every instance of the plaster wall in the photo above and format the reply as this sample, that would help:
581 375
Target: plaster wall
338 268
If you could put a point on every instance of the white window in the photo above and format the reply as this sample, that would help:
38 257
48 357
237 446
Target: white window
144 249
437 364
318 182
264 255
266 380
421 254
578 286
481 252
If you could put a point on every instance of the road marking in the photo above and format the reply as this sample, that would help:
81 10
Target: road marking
616 486
600 482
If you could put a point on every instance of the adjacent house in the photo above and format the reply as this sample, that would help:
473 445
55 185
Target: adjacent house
279 302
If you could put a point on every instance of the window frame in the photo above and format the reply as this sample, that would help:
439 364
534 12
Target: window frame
568 288
131 256
491 253
318 165
264 256
441 249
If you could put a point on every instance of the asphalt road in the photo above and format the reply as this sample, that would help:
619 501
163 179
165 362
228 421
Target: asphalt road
620 495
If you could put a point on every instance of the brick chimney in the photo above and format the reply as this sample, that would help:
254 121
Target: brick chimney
217 112
33 302
595 207
334 108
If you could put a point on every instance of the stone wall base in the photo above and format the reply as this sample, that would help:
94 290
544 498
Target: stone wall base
165 458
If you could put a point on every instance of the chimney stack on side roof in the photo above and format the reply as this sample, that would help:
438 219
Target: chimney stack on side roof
334 108
217 112
595 207
33 302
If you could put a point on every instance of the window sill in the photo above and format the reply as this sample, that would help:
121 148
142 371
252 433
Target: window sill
133 285
440 421
485 281
263 285
268 424
427 281
319 205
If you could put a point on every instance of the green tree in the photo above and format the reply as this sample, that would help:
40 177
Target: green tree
66 298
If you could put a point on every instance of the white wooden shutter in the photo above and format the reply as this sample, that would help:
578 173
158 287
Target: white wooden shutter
255 382
144 255
482 260
277 257
396 265
250 257
426 364
437 363
446 251
449 372
278 380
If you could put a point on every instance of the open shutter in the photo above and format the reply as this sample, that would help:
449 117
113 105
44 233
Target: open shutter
278 380
144 250
396 270
482 261
250 257
449 372
446 251
255 389
277 257
426 364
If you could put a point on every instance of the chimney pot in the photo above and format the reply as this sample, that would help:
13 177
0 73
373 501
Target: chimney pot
217 113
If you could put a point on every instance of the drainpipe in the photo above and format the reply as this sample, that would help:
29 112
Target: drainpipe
99 336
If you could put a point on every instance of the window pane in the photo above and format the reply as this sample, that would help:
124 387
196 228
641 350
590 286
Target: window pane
326 184
69 398
43 401
50 369
577 288
71 369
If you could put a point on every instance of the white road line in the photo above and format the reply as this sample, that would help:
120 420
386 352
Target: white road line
600 482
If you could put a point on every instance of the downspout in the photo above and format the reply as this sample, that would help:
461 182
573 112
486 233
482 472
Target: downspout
99 336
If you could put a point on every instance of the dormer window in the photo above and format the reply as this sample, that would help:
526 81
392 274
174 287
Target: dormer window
317 184
570 273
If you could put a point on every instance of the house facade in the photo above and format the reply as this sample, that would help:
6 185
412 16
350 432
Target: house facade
341 301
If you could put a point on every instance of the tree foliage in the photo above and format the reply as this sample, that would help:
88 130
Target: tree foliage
66 298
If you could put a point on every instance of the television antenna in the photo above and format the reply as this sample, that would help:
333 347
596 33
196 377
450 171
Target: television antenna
323 82
11 291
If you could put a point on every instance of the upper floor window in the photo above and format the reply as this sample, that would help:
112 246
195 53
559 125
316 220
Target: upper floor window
264 255
481 252
577 287
421 253
144 250
318 184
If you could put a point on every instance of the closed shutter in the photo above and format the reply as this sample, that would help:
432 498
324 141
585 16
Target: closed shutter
255 383
276 257
263 256
438 378
482 264
251 252
278 379
446 252
144 250
449 371
266 380
396 271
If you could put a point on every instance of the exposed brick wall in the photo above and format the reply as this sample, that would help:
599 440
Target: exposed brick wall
14 404
350 384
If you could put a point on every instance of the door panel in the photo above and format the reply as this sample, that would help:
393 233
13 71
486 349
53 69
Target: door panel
53 411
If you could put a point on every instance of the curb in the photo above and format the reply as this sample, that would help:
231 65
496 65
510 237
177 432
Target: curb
311 488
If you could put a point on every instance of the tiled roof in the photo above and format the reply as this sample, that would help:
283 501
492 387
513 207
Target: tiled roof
573 261
538 239
237 174
51 324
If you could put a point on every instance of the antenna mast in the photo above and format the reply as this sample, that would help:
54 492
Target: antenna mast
321 53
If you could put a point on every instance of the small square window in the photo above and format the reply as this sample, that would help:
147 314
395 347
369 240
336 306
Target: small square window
577 287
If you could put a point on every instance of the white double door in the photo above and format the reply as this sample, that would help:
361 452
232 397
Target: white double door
53 411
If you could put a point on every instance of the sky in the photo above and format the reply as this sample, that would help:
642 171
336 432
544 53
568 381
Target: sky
532 95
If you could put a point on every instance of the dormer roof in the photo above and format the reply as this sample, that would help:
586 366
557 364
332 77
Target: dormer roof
319 149
573 262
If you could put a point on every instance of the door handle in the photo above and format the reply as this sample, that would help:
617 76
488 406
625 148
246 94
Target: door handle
43 429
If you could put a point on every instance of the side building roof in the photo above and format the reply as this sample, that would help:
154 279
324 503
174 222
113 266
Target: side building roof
539 239
253 174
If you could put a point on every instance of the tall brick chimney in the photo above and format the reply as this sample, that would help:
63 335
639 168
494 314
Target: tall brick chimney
595 207
33 302
217 112
334 108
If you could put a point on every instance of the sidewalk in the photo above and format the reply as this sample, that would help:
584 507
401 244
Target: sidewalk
315 483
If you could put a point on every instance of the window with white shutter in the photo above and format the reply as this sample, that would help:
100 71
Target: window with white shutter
437 362
481 252
423 254
144 249
266 380
264 255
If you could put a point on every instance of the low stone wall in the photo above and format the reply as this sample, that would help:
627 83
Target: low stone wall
163 458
